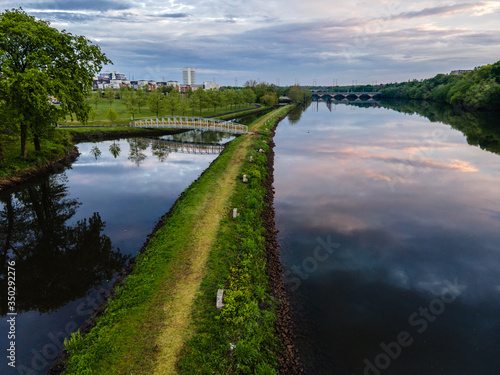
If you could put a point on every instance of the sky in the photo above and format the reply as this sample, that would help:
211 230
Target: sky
282 42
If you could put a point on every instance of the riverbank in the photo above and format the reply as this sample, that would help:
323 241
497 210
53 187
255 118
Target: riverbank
64 152
60 151
150 318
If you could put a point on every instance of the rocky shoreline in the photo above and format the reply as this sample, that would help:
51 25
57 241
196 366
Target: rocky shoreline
289 360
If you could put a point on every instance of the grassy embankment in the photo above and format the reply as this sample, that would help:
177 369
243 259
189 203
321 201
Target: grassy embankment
169 298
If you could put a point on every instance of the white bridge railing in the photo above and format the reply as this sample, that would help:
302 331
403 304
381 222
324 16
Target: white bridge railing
177 122
183 147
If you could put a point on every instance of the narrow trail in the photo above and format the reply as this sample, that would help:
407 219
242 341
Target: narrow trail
178 308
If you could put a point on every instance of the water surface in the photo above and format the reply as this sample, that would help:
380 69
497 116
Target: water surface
71 232
389 233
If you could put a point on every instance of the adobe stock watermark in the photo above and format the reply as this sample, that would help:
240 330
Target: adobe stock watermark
363 38
419 321
416 160
309 265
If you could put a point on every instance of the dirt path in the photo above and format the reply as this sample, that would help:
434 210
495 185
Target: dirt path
178 309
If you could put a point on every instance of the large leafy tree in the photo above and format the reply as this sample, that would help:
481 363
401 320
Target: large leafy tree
39 62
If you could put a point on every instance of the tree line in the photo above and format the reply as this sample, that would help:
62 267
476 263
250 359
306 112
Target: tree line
166 100
476 90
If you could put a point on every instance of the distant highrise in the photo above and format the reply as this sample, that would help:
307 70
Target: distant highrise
188 76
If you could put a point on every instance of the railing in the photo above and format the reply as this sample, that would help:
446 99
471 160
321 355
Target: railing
184 147
177 122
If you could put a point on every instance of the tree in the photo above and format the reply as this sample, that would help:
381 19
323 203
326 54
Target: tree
231 97
183 106
222 100
249 95
122 91
166 89
109 94
38 62
172 101
213 98
298 94
141 98
95 98
269 99
130 101
112 116
240 99
199 99
92 115
156 102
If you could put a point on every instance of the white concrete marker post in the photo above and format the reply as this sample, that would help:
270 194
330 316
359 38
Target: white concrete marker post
220 298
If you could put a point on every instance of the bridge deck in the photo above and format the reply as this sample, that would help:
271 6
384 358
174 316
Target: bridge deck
346 94
177 122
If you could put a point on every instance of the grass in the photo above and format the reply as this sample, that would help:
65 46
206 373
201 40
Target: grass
243 113
14 165
60 140
240 337
124 117
148 321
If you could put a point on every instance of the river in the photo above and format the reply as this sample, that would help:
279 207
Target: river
389 237
71 233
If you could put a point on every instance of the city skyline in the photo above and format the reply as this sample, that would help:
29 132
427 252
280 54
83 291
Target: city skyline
282 42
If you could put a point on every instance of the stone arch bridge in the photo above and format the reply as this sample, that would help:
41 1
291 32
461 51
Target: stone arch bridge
344 95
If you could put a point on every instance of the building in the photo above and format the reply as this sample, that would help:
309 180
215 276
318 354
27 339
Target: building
188 76
211 85
113 75
460 71
175 84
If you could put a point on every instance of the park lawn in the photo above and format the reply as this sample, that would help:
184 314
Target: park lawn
124 117
60 140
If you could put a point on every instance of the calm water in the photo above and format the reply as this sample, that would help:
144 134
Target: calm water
70 232
389 232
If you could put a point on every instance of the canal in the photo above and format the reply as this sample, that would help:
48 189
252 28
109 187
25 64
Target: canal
389 237
70 234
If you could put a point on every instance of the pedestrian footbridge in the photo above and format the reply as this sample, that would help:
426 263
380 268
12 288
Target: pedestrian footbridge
190 123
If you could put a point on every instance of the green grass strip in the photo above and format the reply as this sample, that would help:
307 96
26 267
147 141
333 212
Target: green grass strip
124 339
239 338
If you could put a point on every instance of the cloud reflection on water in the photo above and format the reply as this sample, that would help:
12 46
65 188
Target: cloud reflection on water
397 247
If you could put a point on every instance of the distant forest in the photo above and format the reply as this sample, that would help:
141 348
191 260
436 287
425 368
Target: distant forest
475 90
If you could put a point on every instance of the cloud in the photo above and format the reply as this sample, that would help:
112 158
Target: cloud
96 5
434 11
173 15
282 39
